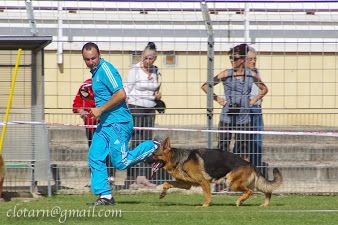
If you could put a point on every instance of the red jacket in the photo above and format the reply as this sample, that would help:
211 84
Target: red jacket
81 102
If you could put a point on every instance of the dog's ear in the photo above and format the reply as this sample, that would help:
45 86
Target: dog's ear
166 144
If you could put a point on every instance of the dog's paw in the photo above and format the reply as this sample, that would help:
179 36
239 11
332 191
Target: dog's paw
205 205
238 203
163 194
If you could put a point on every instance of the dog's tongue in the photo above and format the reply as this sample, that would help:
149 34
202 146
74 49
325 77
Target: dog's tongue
154 168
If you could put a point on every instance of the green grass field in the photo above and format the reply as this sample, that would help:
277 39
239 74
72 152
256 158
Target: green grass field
175 209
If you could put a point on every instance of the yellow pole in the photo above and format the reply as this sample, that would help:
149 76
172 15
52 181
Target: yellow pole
9 103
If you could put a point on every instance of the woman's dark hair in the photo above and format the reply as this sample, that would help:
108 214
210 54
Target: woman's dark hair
151 46
241 50
89 46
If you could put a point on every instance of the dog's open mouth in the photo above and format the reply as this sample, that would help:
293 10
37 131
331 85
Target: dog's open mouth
155 167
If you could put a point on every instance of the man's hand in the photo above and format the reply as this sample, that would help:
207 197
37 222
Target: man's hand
157 95
97 112
253 101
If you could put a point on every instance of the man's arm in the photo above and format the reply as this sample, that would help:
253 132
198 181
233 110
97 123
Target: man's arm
117 98
263 89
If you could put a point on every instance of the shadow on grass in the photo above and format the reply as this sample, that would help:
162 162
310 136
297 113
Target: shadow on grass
163 203
158 203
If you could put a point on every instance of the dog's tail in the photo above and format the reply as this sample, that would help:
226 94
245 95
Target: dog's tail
267 186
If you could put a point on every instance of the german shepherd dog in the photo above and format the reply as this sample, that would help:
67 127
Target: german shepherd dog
201 167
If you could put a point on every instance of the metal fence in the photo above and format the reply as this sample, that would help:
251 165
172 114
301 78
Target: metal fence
25 147
305 154
297 56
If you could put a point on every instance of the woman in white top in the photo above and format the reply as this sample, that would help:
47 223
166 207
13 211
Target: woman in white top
142 89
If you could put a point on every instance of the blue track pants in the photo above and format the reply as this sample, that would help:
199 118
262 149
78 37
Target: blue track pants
113 140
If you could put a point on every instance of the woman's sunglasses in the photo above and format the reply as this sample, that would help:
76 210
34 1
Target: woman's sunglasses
232 58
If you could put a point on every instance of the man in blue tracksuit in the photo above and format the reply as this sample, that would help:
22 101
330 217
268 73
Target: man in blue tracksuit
115 128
